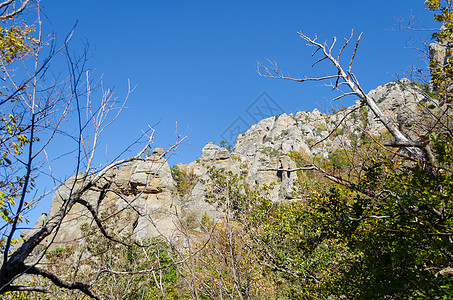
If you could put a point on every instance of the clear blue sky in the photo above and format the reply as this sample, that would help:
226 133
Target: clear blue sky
194 61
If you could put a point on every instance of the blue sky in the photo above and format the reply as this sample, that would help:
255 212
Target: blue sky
194 62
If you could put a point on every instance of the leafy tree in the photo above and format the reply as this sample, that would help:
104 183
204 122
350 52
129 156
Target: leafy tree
224 144
289 242
395 216
185 180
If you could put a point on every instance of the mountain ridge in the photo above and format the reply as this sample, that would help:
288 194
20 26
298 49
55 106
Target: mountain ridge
152 191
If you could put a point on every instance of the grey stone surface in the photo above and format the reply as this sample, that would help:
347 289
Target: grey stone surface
213 152
151 190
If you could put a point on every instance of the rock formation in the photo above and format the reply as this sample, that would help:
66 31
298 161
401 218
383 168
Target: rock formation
148 189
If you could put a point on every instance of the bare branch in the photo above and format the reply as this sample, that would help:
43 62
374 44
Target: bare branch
99 222
8 2
344 95
412 24
333 44
353 54
285 269
345 45
22 288
407 211
319 60
337 125
104 271
316 51
280 76
14 12
445 271
390 150
404 144
84 288
351 81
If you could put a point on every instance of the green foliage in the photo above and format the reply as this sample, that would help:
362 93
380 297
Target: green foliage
175 170
16 44
289 237
298 158
363 111
185 180
442 72
270 151
268 139
401 248
385 234
339 131
134 277
14 140
335 111
224 144
236 158
191 220
225 188
322 127
395 220
206 221
339 159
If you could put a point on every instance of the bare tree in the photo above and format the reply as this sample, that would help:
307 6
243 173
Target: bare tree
343 77
34 110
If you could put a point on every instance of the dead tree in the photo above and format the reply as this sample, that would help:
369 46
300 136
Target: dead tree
414 150
344 77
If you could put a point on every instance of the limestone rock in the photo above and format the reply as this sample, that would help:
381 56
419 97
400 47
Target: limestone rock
152 176
148 190
437 52
213 152
158 152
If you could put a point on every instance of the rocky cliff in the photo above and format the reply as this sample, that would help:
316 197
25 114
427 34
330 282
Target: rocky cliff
152 198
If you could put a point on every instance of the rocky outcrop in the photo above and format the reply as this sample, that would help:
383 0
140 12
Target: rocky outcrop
146 190
402 101
151 193
439 57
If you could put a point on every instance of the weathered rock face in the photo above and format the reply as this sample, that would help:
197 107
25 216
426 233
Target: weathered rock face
144 190
212 152
440 56
399 100
149 190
